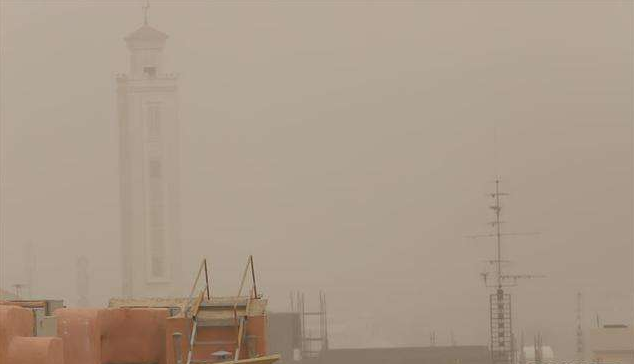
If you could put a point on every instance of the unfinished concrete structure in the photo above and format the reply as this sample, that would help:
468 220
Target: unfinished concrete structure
221 328
129 335
196 329
302 333
206 329
18 344
284 329
289 335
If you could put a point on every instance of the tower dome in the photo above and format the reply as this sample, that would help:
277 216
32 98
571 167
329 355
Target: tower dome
146 36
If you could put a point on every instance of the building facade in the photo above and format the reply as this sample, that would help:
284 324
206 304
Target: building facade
612 344
149 154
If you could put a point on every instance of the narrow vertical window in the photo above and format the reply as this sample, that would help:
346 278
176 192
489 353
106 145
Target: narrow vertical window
155 207
155 168
154 121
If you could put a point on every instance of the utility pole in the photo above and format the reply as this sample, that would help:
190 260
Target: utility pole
539 353
580 339
83 282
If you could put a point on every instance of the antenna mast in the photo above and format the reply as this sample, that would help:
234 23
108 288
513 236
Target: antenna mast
502 341
497 208
83 281
145 8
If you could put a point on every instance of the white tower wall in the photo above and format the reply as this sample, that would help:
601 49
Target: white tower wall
149 154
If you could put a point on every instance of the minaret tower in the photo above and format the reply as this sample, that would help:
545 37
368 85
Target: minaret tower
149 153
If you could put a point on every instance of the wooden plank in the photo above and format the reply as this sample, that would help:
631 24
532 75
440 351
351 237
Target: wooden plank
240 330
215 342
219 310
25 304
227 322
219 315
268 359
196 306
147 302
257 307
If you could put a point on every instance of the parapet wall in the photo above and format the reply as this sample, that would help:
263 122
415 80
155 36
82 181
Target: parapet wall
17 346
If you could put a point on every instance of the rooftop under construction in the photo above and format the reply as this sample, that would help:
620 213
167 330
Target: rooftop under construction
200 328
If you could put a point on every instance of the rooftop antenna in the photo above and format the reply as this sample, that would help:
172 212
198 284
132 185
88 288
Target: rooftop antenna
495 148
502 343
522 356
539 349
145 8
29 269
501 279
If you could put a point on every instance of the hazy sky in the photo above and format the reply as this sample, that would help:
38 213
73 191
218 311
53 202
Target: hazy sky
348 146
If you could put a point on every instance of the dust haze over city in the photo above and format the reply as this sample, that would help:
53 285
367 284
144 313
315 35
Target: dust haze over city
350 147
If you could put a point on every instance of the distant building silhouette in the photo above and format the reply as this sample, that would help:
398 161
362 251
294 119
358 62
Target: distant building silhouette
612 344
407 355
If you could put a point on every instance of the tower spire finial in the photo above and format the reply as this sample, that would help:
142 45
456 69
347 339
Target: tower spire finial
145 8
